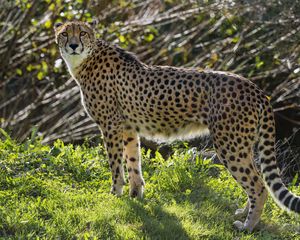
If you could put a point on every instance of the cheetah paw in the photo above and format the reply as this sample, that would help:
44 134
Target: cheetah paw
240 212
243 226
239 225
137 191
117 190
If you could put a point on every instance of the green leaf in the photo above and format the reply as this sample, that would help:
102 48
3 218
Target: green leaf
55 151
29 68
229 31
44 66
51 7
258 62
293 183
5 134
19 71
40 75
48 24
235 39
149 37
122 38
33 133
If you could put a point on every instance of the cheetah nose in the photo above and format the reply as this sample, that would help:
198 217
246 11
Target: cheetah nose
73 46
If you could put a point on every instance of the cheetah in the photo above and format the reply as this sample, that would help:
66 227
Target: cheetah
128 98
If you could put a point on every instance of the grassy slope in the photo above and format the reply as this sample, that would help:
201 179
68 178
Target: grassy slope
62 192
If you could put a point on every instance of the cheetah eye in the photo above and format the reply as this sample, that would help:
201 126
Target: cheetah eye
83 33
65 34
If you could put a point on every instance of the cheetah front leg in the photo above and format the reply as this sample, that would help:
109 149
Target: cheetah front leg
242 211
131 154
114 146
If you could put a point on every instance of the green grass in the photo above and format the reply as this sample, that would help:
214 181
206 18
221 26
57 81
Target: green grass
61 192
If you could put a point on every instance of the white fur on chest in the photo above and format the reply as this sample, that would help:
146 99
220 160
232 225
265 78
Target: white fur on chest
73 62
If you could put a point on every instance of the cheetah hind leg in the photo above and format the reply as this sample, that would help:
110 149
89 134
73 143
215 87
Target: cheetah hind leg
256 203
245 174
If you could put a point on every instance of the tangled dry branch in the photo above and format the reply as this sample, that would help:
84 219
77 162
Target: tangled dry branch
259 41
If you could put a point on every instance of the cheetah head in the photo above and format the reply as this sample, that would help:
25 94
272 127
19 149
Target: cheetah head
75 40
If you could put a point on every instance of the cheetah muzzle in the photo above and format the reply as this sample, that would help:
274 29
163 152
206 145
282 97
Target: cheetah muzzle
128 98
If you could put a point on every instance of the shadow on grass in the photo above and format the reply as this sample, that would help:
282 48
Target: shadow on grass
202 207
225 216
156 222
209 210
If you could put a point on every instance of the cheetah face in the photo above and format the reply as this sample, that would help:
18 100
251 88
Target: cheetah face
75 41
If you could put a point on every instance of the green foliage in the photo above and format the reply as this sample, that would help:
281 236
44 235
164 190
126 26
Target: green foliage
61 192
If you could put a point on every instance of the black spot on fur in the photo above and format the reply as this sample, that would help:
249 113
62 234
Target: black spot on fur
134 193
283 194
273 176
287 201
298 206
233 168
277 186
294 204
269 168
128 56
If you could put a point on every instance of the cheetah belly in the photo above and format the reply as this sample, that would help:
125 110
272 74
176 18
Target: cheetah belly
184 131
188 131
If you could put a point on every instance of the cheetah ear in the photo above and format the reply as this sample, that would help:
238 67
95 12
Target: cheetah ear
93 23
57 25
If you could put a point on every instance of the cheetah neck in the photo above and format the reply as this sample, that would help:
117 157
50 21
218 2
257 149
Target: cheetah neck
74 61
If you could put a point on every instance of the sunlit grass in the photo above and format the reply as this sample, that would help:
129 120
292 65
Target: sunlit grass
61 192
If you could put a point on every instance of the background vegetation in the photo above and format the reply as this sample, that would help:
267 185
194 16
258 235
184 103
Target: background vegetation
257 39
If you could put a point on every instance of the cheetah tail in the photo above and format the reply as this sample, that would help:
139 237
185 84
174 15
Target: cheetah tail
270 172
